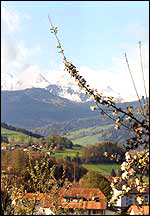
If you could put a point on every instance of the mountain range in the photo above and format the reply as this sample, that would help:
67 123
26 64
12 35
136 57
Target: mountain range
63 85
38 108
58 107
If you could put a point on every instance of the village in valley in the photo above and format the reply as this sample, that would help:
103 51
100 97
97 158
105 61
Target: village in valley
81 196
74 110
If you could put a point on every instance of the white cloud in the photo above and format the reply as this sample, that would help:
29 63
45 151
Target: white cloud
10 20
23 55
14 54
117 77
16 57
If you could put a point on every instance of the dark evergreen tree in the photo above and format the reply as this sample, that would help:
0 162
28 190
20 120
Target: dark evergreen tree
113 173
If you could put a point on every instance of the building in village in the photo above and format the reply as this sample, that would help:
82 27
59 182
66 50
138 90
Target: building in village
88 201
130 198
136 210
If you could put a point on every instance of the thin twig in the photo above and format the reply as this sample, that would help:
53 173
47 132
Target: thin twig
87 90
62 51
110 116
133 81
142 71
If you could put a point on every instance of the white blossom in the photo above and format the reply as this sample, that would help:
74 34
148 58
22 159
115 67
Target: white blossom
137 181
139 200
105 154
13 202
128 118
127 156
124 175
114 113
131 171
93 108
124 166
124 187
92 97
115 180
116 126
140 189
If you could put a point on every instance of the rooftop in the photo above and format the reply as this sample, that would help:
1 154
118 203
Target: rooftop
85 205
87 193
81 198
138 210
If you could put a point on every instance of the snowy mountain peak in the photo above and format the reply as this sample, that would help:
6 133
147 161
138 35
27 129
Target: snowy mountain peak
63 85
7 81
31 78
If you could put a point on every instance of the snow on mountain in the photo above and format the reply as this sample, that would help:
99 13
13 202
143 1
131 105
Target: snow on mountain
108 91
30 78
67 92
65 86
7 81
62 85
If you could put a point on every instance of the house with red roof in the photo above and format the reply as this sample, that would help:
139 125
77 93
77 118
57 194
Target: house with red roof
138 210
89 201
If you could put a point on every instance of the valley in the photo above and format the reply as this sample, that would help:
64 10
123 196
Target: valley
44 113
19 141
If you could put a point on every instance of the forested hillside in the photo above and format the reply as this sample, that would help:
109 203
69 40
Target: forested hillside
38 108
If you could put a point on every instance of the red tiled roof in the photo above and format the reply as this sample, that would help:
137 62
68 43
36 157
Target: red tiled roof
87 193
85 205
137 210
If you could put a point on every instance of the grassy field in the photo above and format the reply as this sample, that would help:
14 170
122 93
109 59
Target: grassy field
87 140
68 152
87 135
104 169
9 132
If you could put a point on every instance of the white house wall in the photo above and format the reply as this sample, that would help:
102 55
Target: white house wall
125 201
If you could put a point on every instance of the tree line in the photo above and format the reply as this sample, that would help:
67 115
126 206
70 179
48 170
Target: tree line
24 131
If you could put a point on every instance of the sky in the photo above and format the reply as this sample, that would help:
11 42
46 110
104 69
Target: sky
94 34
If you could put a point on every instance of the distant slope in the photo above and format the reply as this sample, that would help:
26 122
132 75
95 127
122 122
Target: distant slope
44 113
9 130
37 107
105 169
9 133
72 125
93 135
87 132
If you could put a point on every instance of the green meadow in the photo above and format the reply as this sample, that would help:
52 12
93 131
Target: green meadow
104 169
68 152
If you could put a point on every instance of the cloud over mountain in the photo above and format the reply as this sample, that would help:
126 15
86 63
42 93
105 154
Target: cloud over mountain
20 71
